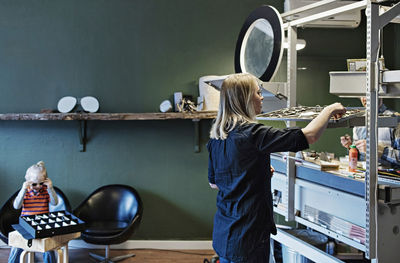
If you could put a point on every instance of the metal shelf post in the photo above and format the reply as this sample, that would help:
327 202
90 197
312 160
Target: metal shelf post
291 86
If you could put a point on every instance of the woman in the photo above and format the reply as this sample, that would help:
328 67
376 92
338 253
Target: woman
239 166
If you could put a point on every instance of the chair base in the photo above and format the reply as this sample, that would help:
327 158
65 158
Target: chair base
106 259
110 260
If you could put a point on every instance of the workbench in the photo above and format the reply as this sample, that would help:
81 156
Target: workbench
333 204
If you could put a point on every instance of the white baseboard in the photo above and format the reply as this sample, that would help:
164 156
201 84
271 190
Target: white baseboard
147 244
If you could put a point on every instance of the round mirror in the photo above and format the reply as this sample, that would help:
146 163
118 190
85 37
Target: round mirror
259 47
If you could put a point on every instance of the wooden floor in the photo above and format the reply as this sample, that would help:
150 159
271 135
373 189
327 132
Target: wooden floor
141 255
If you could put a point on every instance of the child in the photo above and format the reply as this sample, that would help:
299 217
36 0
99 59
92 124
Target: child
34 197
239 167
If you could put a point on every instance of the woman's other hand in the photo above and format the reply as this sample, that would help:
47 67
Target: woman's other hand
214 186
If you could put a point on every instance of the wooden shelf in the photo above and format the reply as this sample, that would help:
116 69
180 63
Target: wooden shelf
105 116
84 117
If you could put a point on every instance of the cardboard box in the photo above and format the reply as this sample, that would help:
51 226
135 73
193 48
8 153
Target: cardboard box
360 64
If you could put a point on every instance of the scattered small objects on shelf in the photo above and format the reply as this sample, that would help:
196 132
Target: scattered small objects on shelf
306 113
186 105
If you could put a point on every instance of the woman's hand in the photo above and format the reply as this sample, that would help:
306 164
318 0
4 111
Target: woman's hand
272 170
337 110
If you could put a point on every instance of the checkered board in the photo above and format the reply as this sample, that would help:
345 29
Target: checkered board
50 224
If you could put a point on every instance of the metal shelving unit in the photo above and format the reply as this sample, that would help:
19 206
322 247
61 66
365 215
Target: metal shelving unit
380 219
383 121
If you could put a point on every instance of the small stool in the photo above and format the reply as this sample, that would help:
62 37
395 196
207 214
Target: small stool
58 243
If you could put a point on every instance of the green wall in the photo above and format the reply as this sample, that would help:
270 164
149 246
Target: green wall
131 55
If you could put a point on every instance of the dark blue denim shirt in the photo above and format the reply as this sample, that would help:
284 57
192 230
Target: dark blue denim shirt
240 167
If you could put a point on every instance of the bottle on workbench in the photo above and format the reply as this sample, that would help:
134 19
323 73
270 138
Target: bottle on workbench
353 157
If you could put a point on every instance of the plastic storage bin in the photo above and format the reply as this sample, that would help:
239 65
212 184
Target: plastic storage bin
350 83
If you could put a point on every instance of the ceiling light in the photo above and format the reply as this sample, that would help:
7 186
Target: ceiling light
301 43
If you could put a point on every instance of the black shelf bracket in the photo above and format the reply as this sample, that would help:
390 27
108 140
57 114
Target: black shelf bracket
196 135
82 135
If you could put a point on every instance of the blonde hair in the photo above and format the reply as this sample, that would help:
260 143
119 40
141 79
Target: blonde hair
236 105
36 170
